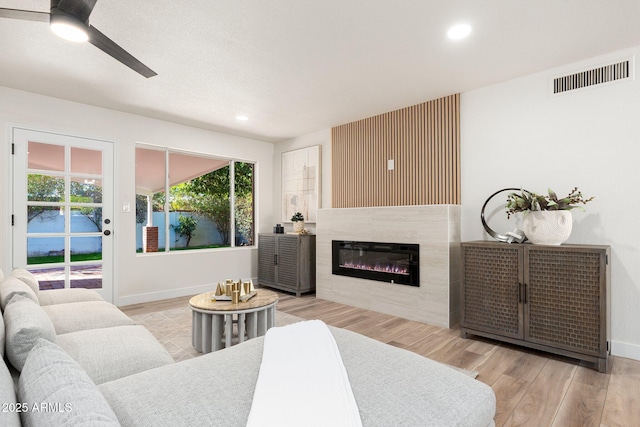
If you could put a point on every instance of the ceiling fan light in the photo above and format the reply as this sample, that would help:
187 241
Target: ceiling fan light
69 28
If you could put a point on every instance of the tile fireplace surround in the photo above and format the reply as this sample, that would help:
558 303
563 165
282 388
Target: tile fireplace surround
436 228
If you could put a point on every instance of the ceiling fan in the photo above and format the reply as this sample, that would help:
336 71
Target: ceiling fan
70 20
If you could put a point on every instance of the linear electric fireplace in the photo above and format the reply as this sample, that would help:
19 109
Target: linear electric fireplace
386 262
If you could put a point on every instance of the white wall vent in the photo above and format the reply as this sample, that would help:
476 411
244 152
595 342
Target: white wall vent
610 73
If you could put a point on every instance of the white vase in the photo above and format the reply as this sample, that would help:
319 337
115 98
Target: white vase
547 227
298 226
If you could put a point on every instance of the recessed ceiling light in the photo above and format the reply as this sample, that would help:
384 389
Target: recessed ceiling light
242 118
459 31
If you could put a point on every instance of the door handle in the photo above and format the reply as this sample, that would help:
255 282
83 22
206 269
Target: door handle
106 232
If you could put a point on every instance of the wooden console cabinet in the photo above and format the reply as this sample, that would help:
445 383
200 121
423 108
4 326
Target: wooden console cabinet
551 298
287 262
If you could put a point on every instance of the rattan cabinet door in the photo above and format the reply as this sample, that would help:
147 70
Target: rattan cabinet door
565 292
266 259
288 262
491 300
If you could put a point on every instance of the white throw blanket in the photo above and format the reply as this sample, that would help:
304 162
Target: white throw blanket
302 380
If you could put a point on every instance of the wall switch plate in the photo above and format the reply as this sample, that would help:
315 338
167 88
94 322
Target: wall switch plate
126 207
390 165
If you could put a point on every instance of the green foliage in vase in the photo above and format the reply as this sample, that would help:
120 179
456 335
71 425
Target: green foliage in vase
525 201
297 217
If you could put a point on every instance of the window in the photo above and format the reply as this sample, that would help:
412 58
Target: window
201 203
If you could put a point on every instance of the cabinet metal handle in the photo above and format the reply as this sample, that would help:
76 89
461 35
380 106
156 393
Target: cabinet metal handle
519 293
525 293
275 260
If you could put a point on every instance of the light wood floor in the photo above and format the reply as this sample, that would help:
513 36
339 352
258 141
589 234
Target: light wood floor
532 388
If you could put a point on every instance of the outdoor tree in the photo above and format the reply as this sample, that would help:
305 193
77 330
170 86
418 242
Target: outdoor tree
157 201
186 227
82 192
43 188
46 188
141 208
209 195
244 202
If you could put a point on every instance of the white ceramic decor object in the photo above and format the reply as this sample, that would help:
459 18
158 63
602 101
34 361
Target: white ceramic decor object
547 227
298 226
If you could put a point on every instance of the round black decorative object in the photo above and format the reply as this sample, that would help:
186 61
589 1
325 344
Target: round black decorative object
510 236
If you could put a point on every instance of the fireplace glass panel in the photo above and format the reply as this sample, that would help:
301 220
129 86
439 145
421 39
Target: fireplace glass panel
386 262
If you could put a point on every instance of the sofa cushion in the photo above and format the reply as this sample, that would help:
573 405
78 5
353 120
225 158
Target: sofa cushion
12 286
110 353
193 392
81 316
52 380
386 379
1 275
27 277
10 414
392 387
1 336
65 296
25 323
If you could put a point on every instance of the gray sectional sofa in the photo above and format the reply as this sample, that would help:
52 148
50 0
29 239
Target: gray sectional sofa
70 358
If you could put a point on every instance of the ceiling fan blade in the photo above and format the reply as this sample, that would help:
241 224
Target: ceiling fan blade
25 15
81 9
109 47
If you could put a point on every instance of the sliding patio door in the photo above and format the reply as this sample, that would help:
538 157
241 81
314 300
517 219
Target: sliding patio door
63 210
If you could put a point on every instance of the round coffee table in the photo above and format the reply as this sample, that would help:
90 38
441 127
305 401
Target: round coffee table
212 321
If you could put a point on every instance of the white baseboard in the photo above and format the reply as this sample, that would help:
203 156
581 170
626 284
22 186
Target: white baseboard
625 349
161 295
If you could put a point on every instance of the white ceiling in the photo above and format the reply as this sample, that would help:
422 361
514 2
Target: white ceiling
298 66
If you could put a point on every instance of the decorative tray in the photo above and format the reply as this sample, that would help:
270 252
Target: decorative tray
243 298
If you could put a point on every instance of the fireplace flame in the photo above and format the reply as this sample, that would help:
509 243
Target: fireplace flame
380 268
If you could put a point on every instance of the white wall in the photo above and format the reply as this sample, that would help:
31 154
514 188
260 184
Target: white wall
322 138
514 134
145 277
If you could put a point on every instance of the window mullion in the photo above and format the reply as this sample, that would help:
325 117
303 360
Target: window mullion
167 214
232 202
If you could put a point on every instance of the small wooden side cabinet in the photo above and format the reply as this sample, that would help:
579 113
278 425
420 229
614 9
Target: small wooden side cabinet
287 262
551 298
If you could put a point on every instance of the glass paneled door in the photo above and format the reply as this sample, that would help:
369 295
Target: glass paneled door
62 210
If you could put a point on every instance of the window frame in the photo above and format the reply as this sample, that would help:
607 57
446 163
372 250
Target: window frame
232 199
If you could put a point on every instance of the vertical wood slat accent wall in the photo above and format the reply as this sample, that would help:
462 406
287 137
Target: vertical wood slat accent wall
424 142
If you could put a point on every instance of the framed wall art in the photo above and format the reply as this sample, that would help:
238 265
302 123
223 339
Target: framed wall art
301 187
